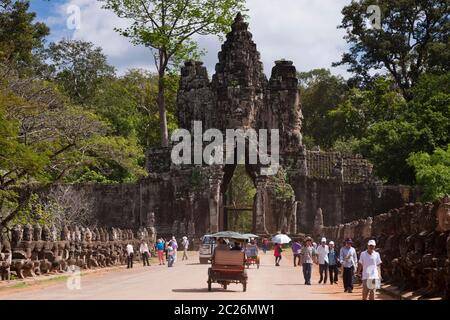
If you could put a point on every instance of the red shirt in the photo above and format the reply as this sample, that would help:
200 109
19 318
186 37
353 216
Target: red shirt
276 251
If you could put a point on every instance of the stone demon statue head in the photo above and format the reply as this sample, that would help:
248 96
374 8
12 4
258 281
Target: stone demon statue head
443 215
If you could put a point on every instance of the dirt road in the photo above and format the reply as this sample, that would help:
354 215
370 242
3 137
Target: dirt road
187 280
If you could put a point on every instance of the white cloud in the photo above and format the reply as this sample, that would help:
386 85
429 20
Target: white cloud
300 30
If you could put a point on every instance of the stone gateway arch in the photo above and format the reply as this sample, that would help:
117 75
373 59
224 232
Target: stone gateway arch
189 199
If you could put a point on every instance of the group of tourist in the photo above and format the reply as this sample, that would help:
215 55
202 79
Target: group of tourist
330 261
165 251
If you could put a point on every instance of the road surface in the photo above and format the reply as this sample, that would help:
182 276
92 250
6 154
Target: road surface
187 281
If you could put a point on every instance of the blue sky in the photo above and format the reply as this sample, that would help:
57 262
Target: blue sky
300 30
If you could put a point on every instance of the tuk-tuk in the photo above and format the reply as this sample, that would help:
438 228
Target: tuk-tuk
228 265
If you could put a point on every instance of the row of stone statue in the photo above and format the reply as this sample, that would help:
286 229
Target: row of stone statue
414 243
28 250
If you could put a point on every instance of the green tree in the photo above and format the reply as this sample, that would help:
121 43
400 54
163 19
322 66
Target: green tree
20 36
79 68
364 108
320 92
240 194
242 189
43 141
129 103
422 126
432 172
167 28
413 39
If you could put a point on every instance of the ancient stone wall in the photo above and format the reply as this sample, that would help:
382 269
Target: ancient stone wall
175 203
414 243
28 250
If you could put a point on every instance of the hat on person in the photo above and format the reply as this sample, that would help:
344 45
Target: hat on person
331 243
348 240
308 239
372 243
323 240
184 238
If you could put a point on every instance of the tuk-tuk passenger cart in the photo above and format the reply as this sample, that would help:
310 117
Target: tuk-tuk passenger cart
228 266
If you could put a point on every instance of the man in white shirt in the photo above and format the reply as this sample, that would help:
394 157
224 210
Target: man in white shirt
349 262
130 254
145 252
322 253
369 263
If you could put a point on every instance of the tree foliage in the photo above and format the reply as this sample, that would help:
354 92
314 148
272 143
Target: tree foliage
21 38
79 68
320 92
432 172
44 141
421 126
413 39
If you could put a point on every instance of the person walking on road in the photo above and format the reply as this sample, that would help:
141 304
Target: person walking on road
333 263
265 245
277 250
170 255
308 255
174 245
322 253
296 251
160 250
145 252
349 261
130 255
369 264
185 244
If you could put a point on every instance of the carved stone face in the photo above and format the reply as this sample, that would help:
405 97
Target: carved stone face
443 215
53 233
65 234
88 235
45 233
27 233
77 233
102 235
17 234
37 236
429 219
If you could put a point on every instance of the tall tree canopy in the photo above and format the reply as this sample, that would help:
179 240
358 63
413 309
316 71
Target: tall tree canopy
20 36
167 27
320 92
432 172
413 39
78 67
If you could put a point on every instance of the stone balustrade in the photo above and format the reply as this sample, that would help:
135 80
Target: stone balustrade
27 251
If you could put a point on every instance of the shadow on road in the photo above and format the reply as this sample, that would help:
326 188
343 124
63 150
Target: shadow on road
201 290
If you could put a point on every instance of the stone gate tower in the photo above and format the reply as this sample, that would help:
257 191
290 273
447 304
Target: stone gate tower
190 199
240 97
